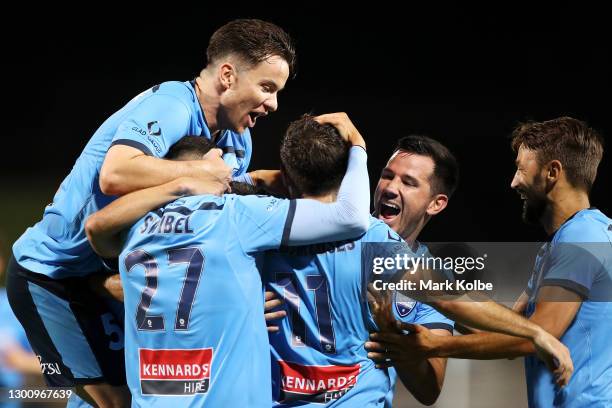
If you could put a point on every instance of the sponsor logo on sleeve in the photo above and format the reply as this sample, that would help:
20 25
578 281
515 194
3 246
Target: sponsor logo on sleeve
320 384
139 131
154 129
156 132
175 372
156 145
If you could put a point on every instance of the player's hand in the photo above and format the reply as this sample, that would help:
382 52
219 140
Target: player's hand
272 302
398 348
381 308
190 186
345 127
215 169
106 285
555 355
271 181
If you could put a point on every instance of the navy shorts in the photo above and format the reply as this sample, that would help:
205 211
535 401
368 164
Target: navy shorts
76 334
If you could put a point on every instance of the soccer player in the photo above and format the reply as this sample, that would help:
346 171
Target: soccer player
319 352
569 291
248 63
415 185
318 355
195 329
314 153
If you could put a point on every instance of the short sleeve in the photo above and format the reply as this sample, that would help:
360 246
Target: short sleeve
573 266
157 123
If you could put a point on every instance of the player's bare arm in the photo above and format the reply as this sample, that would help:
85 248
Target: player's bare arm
126 169
422 375
495 317
104 227
551 318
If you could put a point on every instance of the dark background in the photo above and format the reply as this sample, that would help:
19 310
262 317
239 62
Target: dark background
465 75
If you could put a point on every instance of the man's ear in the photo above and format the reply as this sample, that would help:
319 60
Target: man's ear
227 75
554 169
437 204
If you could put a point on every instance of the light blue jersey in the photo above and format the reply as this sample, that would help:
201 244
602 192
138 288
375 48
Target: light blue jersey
578 258
195 331
318 357
194 321
151 122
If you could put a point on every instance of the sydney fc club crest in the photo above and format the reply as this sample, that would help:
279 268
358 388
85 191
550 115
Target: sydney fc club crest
403 304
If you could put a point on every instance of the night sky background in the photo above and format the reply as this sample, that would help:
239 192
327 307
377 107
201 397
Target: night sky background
465 75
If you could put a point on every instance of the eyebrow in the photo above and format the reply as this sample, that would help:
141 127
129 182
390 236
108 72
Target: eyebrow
413 179
410 178
272 83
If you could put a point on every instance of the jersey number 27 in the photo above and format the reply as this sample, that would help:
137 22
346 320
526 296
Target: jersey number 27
194 260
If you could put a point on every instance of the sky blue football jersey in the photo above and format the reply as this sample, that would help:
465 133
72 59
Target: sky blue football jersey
151 122
318 357
194 329
577 258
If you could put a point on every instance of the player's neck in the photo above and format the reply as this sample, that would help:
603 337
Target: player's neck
209 101
411 236
562 207
411 239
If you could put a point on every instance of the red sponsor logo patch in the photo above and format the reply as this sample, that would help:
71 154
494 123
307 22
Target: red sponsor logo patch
175 372
316 383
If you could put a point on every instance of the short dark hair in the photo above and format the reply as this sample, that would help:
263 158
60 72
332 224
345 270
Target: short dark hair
190 146
577 146
313 156
445 177
252 40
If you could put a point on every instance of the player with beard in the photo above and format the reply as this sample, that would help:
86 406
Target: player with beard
318 354
570 289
